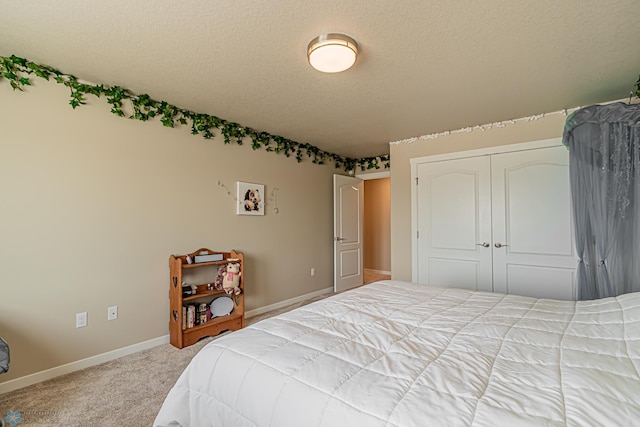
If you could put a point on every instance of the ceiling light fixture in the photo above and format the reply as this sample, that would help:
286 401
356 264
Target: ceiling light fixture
332 53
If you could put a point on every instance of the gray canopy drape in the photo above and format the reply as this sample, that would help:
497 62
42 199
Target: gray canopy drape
604 165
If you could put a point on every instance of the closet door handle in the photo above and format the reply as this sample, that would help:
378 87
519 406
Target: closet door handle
484 245
499 245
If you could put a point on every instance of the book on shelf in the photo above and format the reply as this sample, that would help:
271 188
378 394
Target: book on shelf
191 316
195 314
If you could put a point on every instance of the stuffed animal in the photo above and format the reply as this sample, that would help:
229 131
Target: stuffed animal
231 279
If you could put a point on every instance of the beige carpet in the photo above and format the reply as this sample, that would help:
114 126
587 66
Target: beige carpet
124 392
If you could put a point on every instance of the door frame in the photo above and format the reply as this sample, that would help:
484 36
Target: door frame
499 149
366 177
374 175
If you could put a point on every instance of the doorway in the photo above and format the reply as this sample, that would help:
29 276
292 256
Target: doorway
362 229
376 227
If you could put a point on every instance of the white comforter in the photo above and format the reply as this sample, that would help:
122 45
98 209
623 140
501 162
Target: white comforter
400 354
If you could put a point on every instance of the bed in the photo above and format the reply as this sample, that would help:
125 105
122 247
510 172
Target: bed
396 353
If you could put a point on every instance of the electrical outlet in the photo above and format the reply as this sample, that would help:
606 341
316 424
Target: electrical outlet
81 319
313 271
112 313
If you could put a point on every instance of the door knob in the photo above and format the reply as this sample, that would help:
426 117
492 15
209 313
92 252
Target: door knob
484 245
339 239
499 245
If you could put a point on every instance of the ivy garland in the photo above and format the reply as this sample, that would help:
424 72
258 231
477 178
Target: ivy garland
17 71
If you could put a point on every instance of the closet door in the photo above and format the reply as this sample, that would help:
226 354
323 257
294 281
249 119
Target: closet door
533 250
454 223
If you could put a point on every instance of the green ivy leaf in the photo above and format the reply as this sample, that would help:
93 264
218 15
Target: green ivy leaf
167 121
145 108
17 60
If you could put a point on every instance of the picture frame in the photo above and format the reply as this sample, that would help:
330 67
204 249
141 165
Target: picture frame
250 198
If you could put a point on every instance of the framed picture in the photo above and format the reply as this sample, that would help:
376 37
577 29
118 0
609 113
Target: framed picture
250 199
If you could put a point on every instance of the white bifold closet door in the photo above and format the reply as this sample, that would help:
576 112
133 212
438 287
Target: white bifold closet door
454 222
499 222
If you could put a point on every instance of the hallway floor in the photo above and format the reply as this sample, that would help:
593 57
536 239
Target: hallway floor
371 276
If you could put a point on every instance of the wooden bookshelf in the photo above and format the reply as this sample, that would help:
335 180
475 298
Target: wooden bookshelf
181 336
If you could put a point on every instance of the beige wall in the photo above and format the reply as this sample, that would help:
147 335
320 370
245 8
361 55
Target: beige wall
377 224
550 126
93 205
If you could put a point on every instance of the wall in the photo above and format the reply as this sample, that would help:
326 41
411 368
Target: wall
377 224
550 126
93 205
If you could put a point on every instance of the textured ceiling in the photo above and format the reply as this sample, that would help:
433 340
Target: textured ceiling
425 66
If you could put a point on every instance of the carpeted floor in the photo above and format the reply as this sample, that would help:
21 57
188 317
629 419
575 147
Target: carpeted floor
124 392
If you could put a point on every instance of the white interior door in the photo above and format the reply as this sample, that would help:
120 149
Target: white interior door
454 223
533 249
348 213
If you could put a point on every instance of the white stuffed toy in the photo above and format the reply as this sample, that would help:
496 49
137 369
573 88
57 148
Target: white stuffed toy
231 279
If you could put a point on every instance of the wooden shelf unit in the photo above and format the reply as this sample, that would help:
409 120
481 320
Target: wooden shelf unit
181 338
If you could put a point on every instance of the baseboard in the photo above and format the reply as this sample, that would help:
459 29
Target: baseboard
370 270
48 374
281 304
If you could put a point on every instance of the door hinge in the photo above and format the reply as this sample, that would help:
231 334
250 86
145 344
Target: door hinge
418 234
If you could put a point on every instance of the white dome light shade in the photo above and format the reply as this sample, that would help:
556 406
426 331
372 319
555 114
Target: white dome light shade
332 53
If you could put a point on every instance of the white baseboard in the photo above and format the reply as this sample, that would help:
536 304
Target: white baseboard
370 270
281 304
48 374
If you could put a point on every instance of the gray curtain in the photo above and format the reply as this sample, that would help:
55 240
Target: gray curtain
604 164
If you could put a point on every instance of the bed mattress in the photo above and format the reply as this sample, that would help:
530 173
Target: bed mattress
403 354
